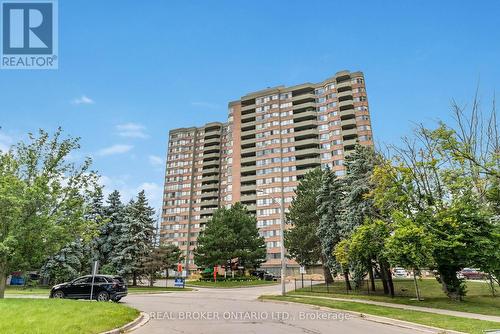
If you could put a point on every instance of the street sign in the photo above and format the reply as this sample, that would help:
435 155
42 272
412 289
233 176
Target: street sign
179 282
302 269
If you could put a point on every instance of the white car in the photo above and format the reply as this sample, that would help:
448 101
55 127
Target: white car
400 272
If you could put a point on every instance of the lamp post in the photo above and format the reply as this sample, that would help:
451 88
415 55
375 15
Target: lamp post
282 240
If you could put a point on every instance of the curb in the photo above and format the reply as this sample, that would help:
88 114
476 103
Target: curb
140 321
375 318
194 287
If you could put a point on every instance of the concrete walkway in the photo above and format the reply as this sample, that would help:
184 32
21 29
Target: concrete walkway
413 308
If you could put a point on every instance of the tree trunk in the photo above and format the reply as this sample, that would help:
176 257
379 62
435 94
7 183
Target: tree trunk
347 282
3 280
492 285
134 279
390 283
417 291
383 275
328 274
372 277
151 279
166 278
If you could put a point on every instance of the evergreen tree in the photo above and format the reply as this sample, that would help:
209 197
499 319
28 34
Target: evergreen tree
66 264
330 210
230 234
301 240
105 243
136 238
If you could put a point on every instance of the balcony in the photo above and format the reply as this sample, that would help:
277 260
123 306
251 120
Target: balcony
210 194
348 124
214 140
308 97
304 106
211 149
248 141
308 163
248 108
213 178
248 198
305 116
247 160
247 125
307 143
248 150
211 186
246 169
346 103
305 153
246 188
211 156
344 84
210 170
349 134
213 202
341 95
248 178
348 113
306 134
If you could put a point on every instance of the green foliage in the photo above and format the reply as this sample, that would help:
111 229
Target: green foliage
409 245
301 239
135 238
43 201
230 234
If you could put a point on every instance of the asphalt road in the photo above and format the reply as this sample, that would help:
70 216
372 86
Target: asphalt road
239 311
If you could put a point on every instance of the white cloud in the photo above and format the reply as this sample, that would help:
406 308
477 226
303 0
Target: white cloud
5 142
115 149
128 191
83 100
205 104
155 161
131 130
154 193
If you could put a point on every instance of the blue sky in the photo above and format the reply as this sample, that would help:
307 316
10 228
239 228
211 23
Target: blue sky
131 70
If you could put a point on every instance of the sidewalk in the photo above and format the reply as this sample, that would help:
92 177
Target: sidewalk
413 308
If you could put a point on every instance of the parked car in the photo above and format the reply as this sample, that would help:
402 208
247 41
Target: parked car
400 272
470 273
106 288
264 275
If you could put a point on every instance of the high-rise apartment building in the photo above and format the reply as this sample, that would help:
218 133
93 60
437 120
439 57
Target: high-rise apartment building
271 139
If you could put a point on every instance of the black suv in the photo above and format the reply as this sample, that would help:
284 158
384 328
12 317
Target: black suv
106 288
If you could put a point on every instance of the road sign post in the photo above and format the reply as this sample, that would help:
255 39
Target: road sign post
95 268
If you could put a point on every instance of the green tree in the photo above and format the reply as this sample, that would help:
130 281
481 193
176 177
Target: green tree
409 246
329 208
442 179
163 257
67 264
105 244
301 239
43 200
230 234
136 238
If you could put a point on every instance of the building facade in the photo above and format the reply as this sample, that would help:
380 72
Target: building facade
270 140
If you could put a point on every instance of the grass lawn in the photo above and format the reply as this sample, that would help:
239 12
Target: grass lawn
478 298
229 284
44 291
423 318
48 316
